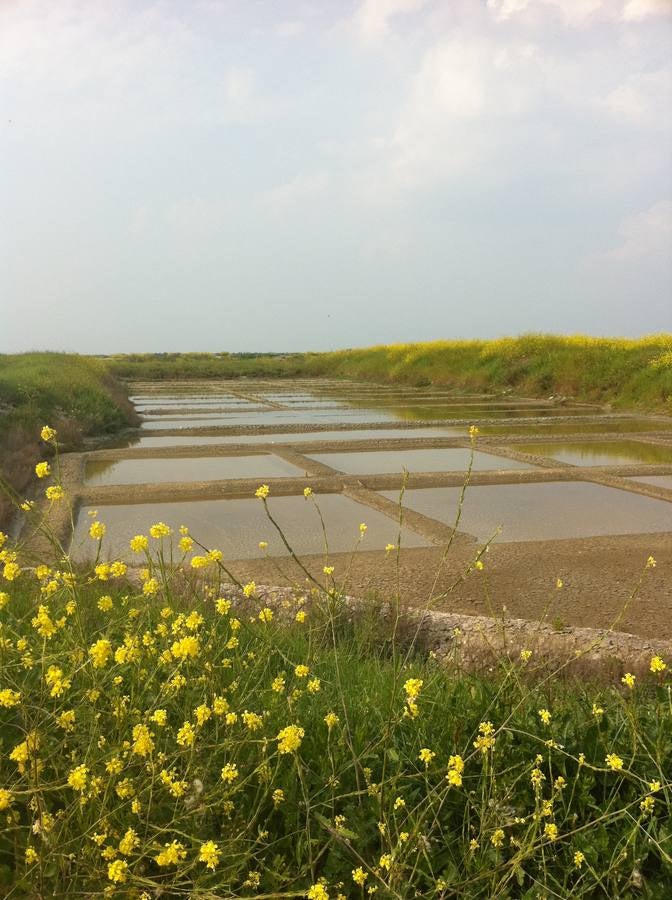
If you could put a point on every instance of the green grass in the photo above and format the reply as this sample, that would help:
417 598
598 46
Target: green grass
169 366
625 373
76 394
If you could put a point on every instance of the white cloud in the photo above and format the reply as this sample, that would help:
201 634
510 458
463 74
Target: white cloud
573 12
579 13
294 192
290 29
636 10
644 236
371 20
239 87
642 96
465 91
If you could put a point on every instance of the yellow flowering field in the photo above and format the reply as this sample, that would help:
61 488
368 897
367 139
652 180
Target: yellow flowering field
165 732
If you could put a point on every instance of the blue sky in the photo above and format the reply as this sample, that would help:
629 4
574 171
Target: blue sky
279 174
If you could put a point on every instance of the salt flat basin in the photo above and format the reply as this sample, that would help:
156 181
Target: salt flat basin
237 526
204 468
270 417
664 481
607 425
349 414
204 406
452 459
600 453
297 437
540 512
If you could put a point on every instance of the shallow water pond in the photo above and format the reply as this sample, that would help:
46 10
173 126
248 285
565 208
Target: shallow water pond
664 481
237 526
452 459
539 512
272 417
600 453
606 426
204 468
297 437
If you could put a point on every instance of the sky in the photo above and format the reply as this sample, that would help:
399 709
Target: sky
230 175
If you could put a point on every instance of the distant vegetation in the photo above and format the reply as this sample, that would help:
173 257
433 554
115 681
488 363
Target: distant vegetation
625 373
170 366
76 393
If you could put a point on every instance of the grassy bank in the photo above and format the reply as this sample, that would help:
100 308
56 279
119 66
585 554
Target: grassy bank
625 373
76 393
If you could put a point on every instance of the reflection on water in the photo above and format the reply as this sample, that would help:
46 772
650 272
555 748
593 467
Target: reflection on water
540 512
271 417
600 453
605 426
297 437
237 526
664 481
452 459
205 468
352 415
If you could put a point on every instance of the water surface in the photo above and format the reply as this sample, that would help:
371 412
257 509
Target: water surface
450 459
606 426
539 512
664 481
600 453
237 526
204 468
298 437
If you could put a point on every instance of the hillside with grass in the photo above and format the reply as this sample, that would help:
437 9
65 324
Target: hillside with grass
618 371
77 394
622 372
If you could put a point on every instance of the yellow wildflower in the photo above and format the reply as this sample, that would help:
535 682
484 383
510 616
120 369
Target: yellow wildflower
78 777
139 543
129 842
229 773
97 531
142 740
289 739
172 854
100 653
209 854
9 698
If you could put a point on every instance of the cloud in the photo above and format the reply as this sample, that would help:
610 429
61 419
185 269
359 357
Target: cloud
644 236
578 13
239 87
641 96
467 92
284 197
290 29
371 19
637 10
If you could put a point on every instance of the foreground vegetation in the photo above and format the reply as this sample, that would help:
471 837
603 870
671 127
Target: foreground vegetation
158 739
77 393
626 373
